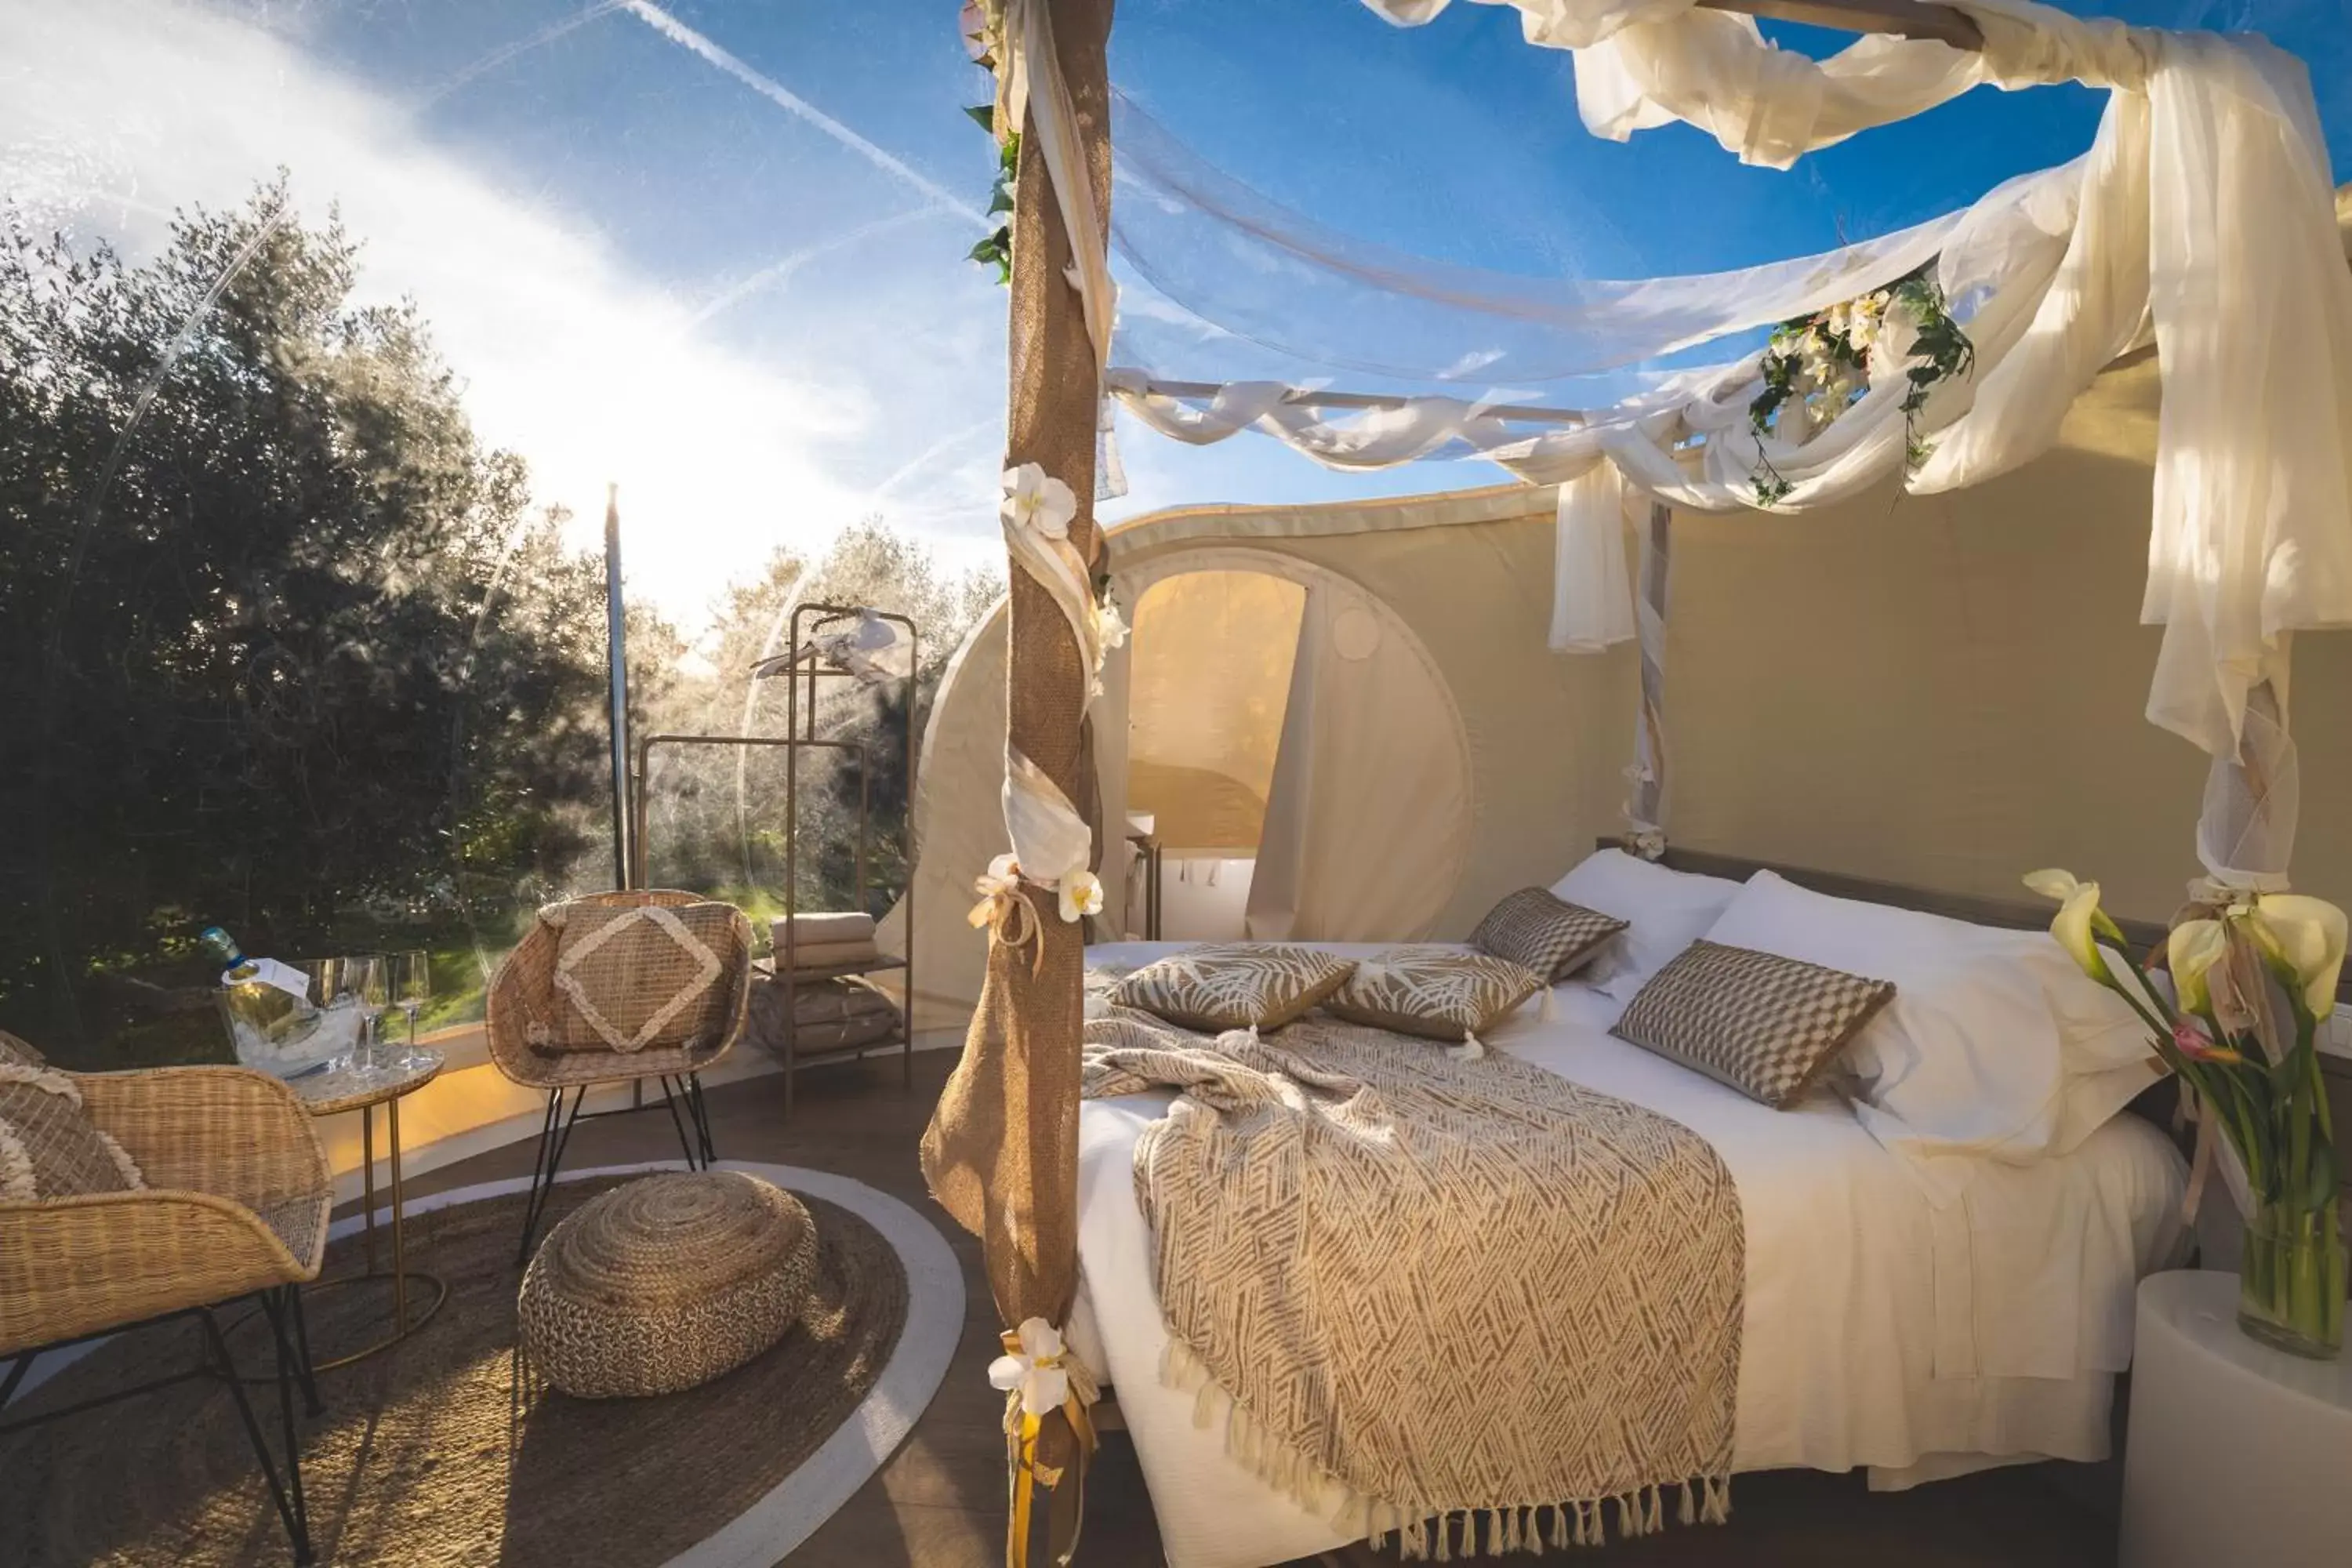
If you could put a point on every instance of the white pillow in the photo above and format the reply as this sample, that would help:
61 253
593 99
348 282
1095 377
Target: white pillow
1985 1051
1664 913
2104 1045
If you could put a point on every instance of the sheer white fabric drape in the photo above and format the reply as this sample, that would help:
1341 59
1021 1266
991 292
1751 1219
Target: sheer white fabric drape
2203 217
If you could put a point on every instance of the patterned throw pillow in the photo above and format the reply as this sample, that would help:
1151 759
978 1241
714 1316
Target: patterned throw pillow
48 1146
1767 1025
1234 985
1435 991
1537 929
627 978
14 1049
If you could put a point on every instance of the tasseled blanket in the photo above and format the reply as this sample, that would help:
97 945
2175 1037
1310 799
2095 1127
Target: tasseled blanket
1464 1301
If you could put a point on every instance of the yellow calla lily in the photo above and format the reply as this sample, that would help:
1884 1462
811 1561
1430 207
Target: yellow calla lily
2077 930
2052 883
2308 935
2190 952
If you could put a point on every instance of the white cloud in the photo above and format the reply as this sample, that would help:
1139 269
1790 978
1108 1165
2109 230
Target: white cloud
113 112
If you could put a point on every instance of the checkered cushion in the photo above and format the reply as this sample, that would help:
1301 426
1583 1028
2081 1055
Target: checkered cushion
1433 992
1764 1025
1537 931
1234 985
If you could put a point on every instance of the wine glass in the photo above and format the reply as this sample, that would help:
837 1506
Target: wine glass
370 988
412 987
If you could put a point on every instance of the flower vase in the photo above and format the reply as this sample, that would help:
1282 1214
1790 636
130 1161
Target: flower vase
2291 1281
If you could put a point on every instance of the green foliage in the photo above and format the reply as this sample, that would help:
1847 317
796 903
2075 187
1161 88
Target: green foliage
282 640
996 250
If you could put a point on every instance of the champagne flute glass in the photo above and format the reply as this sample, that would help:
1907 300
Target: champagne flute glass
370 988
412 987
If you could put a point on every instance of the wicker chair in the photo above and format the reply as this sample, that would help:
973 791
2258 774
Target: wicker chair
523 993
235 1207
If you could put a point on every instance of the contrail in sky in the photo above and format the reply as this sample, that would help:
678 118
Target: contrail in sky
791 102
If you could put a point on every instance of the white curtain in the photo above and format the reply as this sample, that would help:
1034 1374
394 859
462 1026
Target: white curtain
1368 818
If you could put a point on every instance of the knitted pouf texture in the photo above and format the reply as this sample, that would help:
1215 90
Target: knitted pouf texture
665 1284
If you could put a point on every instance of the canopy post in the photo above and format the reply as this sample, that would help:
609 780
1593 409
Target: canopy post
1645 801
1000 1154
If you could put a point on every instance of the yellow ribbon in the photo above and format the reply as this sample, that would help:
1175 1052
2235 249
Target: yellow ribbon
1024 1471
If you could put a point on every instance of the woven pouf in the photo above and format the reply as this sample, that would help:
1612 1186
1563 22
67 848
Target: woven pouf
665 1283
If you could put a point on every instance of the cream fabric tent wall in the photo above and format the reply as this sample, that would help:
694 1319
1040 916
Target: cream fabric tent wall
1947 690
1866 688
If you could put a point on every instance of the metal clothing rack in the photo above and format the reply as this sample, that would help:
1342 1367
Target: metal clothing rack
800 731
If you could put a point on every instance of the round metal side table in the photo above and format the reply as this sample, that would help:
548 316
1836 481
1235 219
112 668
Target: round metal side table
362 1088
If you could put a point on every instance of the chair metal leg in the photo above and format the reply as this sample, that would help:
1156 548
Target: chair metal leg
16 1370
297 1528
671 1094
278 1306
555 1133
701 1107
312 1405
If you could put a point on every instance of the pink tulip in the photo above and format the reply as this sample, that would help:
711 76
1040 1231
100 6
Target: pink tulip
2193 1045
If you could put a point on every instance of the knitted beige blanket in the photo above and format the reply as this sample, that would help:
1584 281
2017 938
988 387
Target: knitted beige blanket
1430 1296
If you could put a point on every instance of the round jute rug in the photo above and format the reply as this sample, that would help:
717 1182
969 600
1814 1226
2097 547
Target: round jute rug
435 1454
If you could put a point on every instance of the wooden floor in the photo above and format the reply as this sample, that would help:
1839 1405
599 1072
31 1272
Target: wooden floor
938 1500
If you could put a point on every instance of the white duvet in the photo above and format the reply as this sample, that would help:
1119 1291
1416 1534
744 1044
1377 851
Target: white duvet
1879 1330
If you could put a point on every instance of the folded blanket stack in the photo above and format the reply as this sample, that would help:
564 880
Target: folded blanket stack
827 1014
825 941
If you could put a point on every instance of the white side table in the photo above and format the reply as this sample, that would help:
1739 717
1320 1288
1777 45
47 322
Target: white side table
2238 1453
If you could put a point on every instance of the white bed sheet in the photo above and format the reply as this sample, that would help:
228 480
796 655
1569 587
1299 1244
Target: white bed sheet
1877 1331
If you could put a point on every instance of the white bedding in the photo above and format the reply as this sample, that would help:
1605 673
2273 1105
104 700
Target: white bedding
1879 1330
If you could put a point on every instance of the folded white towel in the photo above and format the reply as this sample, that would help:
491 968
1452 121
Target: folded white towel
829 954
846 925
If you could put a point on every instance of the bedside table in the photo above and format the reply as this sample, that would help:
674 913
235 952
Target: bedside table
2238 1453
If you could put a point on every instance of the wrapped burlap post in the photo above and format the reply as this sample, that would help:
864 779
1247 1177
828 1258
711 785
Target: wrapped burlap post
1000 1154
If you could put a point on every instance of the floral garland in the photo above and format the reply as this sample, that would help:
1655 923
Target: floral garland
1823 363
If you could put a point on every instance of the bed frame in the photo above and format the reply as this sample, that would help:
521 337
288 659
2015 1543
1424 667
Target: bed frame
2008 914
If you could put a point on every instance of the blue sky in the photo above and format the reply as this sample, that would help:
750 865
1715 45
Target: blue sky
653 268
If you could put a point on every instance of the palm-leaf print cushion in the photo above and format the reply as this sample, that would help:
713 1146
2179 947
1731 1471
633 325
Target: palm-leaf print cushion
1234 985
1435 991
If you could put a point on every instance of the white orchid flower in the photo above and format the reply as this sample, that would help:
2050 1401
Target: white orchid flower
2190 953
2307 935
1003 875
1082 893
1034 499
1035 1369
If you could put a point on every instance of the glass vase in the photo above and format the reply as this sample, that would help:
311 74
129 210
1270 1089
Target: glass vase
2291 1280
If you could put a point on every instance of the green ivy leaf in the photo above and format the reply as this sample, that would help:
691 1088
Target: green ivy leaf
984 116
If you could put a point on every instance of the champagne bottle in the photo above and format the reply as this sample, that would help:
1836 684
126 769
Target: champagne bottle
270 998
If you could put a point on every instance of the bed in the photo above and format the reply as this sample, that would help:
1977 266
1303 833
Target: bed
1880 1330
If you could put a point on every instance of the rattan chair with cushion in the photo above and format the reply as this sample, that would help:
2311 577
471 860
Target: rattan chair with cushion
233 1202
647 985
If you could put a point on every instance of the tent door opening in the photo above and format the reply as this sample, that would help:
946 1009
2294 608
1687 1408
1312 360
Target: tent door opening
1210 677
